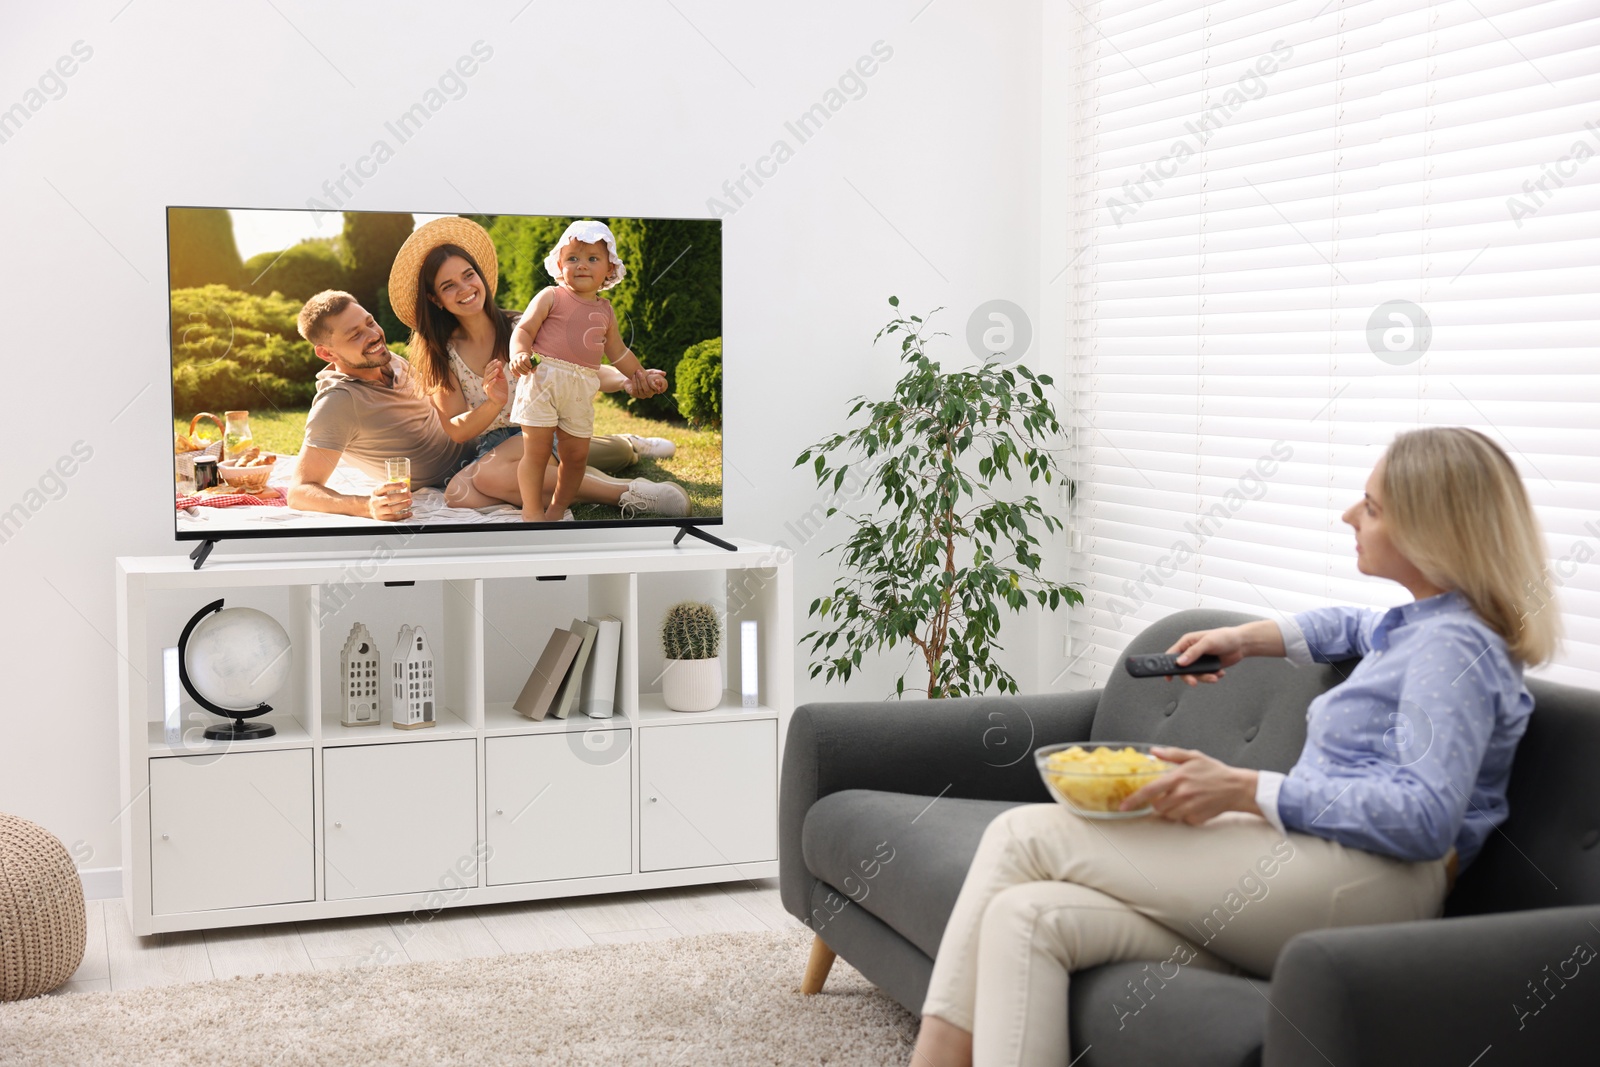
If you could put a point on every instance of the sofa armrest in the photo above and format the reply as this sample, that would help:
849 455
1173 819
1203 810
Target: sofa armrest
1438 991
975 747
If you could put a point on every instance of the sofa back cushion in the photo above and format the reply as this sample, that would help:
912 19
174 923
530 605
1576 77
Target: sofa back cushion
1547 852
1255 717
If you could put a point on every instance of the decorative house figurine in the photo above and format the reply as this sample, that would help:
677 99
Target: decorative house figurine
413 680
358 675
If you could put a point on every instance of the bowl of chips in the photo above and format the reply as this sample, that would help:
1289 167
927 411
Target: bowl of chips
1094 779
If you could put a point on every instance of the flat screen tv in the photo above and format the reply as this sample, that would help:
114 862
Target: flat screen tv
336 373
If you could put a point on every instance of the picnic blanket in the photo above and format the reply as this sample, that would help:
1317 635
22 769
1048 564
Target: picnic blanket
428 506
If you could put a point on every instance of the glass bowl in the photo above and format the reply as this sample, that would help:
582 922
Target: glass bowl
1094 787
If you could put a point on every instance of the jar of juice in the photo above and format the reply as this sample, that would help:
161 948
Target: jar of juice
236 437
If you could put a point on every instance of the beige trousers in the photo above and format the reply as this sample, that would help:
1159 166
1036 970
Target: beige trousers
1050 892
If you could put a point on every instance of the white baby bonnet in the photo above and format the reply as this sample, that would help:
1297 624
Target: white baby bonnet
588 231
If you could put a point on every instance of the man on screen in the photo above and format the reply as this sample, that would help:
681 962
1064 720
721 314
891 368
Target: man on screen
365 410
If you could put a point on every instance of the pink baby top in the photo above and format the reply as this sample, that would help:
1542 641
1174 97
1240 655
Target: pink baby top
575 330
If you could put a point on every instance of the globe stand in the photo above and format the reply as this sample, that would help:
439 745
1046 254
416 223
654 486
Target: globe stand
238 729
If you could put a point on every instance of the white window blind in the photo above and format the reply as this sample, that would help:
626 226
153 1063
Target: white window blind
1254 181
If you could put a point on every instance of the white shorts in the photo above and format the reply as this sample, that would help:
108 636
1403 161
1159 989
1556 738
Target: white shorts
560 394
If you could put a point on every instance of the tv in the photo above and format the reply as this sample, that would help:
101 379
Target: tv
351 372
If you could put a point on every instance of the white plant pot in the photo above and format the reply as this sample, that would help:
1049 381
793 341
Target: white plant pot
692 684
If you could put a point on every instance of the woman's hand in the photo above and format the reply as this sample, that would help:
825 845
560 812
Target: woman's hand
1226 643
1198 789
495 384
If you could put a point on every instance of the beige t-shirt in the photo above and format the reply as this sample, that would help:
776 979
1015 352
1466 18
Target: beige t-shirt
370 422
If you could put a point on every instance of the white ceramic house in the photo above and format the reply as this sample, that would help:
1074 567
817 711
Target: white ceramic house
359 679
413 680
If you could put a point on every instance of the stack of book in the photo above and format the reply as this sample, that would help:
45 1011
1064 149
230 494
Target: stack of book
578 669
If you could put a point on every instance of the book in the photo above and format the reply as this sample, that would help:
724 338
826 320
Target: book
540 690
599 699
567 695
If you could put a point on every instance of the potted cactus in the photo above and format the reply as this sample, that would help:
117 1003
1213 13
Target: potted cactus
691 637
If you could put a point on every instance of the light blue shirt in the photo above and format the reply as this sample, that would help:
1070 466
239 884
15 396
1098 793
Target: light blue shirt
1412 752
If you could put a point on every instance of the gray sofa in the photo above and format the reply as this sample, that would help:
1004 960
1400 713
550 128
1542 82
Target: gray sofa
882 804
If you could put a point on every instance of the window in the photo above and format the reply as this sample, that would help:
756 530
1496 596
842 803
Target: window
1300 228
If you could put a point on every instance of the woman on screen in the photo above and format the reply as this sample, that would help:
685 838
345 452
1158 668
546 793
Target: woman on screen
442 285
1402 778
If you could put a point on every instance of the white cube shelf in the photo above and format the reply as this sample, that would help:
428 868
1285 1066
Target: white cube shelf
485 806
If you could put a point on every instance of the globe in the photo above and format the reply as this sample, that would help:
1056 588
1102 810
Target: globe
237 658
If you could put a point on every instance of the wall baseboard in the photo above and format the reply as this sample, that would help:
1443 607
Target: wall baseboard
101 883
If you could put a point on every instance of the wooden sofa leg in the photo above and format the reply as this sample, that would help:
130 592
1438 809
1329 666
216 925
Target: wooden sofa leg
817 967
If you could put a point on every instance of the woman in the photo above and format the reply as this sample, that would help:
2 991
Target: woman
442 285
1403 776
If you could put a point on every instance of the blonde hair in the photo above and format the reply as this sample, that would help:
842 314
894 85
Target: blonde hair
318 310
1457 509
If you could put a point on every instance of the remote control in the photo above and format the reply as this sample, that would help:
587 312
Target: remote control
1160 666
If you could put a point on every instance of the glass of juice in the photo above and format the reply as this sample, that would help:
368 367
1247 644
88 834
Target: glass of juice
398 470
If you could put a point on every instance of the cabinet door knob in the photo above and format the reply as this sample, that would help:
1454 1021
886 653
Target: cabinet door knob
652 800
164 837
499 811
338 826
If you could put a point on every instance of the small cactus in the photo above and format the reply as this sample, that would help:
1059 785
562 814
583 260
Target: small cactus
691 630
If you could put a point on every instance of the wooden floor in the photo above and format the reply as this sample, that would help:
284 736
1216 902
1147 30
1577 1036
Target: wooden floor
117 959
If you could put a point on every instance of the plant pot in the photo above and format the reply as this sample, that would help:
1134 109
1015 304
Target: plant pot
692 684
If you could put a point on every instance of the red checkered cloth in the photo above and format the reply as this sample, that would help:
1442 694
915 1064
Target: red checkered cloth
230 500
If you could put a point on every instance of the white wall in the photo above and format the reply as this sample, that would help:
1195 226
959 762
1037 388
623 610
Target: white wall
926 187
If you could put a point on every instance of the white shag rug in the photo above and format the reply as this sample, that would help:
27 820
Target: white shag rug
709 999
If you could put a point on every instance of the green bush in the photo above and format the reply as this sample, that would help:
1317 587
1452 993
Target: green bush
367 248
699 390
299 272
671 298
394 331
232 349
521 242
201 249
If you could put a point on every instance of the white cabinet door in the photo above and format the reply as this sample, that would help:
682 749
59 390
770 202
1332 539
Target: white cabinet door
558 807
708 794
231 831
399 818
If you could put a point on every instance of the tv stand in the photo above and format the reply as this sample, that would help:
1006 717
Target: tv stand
323 821
203 549
695 531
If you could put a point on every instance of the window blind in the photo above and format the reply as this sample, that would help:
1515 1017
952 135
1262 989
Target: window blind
1300 228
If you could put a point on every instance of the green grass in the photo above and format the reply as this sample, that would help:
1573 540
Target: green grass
697 466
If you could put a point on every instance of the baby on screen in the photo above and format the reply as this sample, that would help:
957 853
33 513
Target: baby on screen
570 327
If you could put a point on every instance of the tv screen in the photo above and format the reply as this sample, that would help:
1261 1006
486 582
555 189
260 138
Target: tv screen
361 371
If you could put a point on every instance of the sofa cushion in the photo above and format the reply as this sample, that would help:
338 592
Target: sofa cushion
900 857
1547 852
1255 717
1198 1018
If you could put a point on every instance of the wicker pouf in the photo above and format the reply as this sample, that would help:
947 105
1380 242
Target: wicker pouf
42 925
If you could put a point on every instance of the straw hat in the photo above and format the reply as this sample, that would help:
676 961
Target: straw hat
450 230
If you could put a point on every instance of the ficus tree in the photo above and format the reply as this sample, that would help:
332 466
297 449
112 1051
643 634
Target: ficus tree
948 541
